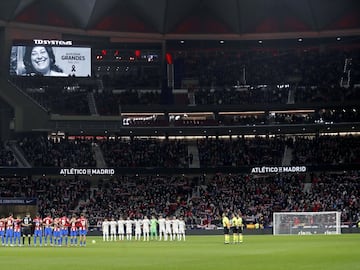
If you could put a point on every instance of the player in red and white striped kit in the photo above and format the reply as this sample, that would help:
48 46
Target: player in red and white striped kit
83 228
38 230
73 230
17 231
57 232
64 230
2 230
9 229
48 222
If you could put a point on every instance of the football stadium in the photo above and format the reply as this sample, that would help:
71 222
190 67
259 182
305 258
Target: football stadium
168 134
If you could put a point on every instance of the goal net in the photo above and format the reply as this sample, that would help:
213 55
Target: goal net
287 223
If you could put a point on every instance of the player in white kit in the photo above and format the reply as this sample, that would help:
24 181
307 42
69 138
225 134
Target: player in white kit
146 228
182 228
168 230
161 222
138 224
175 228
113 224
105 229
128 225
121 228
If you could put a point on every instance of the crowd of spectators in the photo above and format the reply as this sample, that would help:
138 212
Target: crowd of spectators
234 151
241 151
41 151
55 196
328 150
145 153
7 158
135 196
337 192
199 199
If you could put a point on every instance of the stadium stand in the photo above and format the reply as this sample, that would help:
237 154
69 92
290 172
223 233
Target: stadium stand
182 126
326 150
53 195
145 153
45 152
201 200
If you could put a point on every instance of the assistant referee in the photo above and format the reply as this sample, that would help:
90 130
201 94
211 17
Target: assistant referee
226 225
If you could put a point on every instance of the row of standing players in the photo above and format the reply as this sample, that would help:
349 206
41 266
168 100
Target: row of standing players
233 224
151 229
48 230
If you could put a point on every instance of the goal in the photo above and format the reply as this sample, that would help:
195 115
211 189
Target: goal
287 223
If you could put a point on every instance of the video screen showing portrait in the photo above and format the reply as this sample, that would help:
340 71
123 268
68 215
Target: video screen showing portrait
52 61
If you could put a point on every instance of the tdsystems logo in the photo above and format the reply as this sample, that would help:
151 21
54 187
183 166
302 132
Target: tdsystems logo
53 42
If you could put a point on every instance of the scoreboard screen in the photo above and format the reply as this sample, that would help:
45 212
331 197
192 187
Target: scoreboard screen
53 58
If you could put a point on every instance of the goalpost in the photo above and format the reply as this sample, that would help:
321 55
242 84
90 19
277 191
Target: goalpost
301 223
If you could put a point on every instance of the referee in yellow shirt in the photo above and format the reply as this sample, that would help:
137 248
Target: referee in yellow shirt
234 228
226 225
240 226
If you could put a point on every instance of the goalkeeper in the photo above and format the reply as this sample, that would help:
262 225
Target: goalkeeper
153 228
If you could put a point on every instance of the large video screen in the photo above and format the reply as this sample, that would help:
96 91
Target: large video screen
53 59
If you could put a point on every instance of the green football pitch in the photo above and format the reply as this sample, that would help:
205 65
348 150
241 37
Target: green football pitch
198 252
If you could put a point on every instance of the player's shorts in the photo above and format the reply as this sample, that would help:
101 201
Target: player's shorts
82 232
73 233
48 231
234 229
56 234
226 230
240 230
17 234
64 232
26 231
38 233
9 233
2 233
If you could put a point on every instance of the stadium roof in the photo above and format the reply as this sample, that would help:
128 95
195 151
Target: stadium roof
179 18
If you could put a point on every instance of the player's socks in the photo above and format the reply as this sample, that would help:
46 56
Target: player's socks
235 238
241 238
227 239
